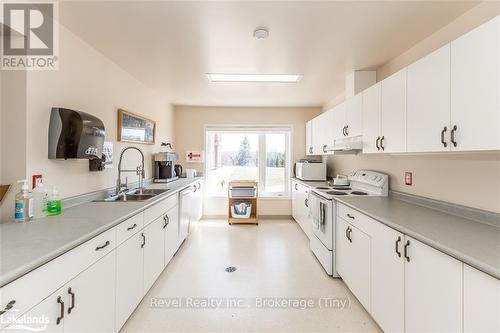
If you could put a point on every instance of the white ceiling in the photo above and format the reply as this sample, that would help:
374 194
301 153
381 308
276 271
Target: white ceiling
170 46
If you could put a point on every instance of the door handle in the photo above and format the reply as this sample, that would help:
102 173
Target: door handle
166 221
347 130
72 294
306 202
61 311
324 149
406 251
102 246
132 227
349 234
453 130
296 187
382 142
376 143
143 240
350 216
9 306
397 247
442 136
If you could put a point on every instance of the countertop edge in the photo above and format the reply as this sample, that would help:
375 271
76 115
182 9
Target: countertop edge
16 274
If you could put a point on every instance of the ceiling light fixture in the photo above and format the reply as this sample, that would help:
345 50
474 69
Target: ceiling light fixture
261 33
268 78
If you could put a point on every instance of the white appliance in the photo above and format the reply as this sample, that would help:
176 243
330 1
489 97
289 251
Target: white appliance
324 211
187 197
310 170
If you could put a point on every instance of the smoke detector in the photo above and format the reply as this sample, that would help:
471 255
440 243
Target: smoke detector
261 33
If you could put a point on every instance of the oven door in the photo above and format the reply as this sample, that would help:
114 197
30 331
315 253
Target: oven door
322 219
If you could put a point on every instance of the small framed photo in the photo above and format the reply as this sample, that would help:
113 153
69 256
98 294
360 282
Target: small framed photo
135 128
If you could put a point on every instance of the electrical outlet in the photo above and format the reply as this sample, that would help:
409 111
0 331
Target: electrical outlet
408 178
37 179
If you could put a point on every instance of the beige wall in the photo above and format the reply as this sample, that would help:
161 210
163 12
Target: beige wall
89 82
189 135
471 179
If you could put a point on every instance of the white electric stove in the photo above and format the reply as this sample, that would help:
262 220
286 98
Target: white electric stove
324 211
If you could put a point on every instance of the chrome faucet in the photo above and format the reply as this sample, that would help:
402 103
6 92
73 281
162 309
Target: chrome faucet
139 171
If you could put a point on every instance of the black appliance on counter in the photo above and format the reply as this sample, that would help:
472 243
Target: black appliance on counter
75 135
164 168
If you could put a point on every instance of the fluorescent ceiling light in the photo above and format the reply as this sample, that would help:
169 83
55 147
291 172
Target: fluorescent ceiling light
272 78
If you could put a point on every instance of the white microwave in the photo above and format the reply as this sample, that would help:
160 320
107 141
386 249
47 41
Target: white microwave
310 171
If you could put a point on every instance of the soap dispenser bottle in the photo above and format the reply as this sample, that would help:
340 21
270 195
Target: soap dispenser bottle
24 203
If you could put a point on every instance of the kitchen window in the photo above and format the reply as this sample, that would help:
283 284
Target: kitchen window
248 153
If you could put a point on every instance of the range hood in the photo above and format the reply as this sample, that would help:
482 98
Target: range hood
351 145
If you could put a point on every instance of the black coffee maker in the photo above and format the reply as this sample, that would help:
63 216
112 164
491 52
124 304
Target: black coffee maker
164 167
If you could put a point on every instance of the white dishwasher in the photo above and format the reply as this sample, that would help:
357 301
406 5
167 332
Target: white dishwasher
187 198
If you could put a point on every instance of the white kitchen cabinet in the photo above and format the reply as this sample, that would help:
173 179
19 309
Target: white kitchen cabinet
309 144
371 119
129 277
300 207
153 243
171 232
354 116
388 276
481 301
475 109
54 309
320 133
428 102
353 260
393 113
93 309
433 289
339 121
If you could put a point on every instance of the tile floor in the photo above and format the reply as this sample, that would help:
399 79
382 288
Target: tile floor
272 260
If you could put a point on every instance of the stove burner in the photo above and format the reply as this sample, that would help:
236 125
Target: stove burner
336 193
347 188
322 188
359 193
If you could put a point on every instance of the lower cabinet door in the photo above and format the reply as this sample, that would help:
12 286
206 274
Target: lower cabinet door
92 299
388 278
353 260
51 312
433 289
154 252
481 301
129 278
171 230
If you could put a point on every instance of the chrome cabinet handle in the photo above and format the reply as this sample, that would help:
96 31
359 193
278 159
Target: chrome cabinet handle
347 130
72 294
132 227
376 143
296 187
382 142
306 202
397 247
406 251
324 148
166 221
61 312
349 235
9 306
350 216
143 240
199 186
102 246
453 130
445 144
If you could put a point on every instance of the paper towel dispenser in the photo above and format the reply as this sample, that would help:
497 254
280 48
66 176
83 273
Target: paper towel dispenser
75 135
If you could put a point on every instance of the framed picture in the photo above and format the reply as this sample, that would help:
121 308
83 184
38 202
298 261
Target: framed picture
135 128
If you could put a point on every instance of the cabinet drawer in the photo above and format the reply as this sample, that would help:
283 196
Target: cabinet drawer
32 288
160 208
129 227
357 219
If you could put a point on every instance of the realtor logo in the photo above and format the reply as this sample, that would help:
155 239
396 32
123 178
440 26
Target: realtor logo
30 35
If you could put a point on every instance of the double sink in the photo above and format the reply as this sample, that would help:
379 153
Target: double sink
134 195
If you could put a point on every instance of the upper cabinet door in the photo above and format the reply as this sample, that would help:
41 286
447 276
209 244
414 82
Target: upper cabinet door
428 103
328 121
371 119
354 115
339 121
393 113
475 89
309 146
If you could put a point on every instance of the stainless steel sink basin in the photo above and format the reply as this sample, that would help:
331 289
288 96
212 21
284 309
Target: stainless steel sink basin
134 195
